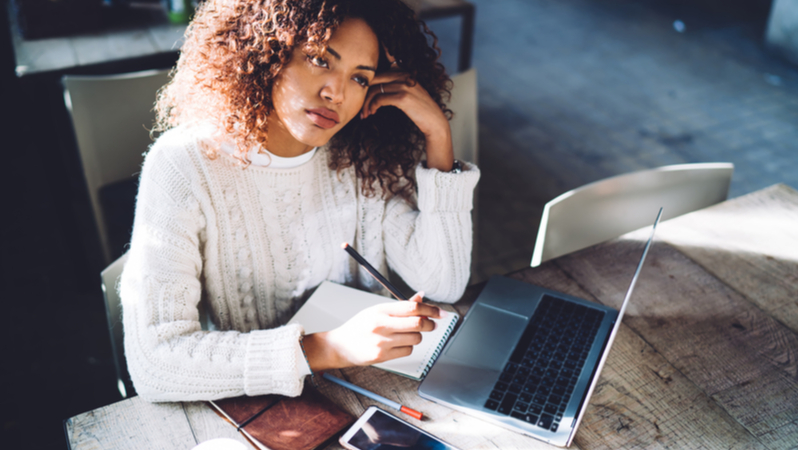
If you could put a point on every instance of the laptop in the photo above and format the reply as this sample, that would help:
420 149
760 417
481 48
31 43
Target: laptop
527 358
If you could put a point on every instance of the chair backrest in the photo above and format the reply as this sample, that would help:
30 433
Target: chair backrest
111 116
464 131
464 126
109 278
614 206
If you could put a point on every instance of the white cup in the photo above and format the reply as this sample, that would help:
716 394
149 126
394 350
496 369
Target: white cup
220 444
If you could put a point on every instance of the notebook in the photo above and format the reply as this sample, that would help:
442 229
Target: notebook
332 304
275 422
527 358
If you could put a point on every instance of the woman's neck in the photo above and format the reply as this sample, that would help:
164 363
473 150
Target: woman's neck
280 140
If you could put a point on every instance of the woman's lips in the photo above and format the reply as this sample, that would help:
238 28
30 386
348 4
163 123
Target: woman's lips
324 118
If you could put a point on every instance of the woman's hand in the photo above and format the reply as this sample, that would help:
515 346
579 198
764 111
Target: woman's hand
376 334
397 89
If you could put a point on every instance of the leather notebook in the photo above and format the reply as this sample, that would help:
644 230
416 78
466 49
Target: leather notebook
275 422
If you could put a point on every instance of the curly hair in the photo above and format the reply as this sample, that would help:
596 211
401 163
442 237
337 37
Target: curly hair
235 50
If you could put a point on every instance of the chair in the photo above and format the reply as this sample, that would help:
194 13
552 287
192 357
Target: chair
464 131
608 208
464 126
109 278
111 116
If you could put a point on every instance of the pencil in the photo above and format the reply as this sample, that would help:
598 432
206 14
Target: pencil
375 274
413 413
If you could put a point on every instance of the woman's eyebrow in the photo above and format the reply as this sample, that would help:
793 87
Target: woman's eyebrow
339 57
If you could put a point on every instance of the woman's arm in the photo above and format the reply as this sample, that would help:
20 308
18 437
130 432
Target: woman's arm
429 244
429 247
399 90
169 357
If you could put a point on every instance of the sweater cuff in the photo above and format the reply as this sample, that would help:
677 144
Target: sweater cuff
271 362
446 191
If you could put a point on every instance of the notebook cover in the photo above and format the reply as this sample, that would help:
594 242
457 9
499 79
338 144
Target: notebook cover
292 423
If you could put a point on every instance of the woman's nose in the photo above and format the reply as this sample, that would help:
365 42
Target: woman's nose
333 90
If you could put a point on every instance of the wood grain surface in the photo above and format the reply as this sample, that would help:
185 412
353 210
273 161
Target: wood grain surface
132 423
706 356
68 52
750 244
708 332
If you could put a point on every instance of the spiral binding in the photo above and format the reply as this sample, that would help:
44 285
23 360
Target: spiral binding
431 357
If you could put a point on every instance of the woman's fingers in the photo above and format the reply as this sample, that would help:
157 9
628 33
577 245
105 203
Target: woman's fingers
387 84
408 324
409 309
392 77
398 89
382 90
399 352
393 62
413 100
390 97
406 339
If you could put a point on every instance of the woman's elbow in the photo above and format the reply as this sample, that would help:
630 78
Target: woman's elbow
451 290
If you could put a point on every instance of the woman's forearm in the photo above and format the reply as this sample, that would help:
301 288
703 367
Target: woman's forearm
439 149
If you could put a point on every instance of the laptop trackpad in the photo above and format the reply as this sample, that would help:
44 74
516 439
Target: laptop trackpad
487 339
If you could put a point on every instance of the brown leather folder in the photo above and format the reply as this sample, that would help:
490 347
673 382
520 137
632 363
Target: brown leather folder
275 422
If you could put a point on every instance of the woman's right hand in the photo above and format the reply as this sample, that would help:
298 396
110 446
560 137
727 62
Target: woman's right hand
376 334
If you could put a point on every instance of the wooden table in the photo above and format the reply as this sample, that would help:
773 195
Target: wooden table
706 356
65 54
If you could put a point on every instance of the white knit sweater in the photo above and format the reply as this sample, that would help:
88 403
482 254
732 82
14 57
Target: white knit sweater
250 245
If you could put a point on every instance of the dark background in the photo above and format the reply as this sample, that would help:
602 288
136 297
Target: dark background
570 91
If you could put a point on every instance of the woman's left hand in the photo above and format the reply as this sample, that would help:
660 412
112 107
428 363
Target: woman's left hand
398 89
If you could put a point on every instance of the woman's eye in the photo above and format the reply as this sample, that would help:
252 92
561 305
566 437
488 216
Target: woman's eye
362 81
319 62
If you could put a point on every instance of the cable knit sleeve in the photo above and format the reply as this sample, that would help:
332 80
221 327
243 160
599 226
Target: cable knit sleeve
430 246
169 356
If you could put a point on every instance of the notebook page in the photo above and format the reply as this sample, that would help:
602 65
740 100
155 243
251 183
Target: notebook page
332 304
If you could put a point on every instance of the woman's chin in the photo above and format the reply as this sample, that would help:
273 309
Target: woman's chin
318 142
318 137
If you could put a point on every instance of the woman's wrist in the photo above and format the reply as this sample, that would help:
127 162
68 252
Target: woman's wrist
439 151
319 354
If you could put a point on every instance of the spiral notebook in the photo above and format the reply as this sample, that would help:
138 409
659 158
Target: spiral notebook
332 305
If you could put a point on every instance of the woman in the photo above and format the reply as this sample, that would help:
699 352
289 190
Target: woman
289 128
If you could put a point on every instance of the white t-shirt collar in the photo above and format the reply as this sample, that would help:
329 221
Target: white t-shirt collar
267 159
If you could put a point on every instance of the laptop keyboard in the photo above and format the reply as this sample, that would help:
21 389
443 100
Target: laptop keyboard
540 376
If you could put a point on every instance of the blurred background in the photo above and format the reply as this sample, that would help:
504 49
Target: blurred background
569 92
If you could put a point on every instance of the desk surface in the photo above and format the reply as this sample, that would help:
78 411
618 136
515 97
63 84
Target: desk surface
706 356
70 52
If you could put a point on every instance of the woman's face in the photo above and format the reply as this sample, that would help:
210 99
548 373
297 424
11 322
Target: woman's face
314 98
